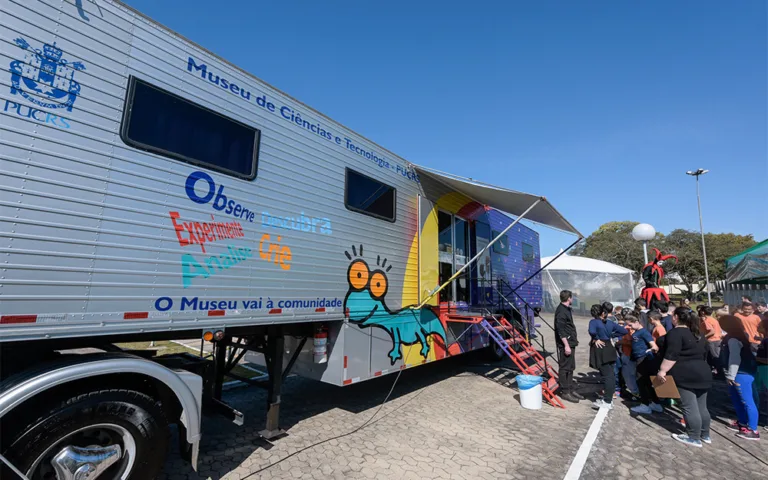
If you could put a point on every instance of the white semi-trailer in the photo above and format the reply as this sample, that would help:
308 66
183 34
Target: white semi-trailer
151 190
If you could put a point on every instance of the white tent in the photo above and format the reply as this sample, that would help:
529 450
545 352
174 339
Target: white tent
591 281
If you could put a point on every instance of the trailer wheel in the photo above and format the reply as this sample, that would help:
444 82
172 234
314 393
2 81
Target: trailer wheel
106 434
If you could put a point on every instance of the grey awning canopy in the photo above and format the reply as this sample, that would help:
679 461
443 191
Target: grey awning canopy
509 201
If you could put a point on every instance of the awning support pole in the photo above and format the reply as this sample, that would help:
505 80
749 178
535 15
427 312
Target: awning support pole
476 257
531 277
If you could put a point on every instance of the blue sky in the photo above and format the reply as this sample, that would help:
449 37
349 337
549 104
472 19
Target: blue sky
600 106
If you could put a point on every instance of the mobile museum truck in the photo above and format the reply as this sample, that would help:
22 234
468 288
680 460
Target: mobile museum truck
151 190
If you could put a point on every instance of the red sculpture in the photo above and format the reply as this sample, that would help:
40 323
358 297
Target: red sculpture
652 275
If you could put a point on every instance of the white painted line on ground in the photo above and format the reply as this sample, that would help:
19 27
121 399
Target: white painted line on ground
233 384
262 372
187 346
577 465
248 367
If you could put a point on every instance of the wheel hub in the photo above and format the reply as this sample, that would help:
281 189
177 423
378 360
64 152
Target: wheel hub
103 451
85 463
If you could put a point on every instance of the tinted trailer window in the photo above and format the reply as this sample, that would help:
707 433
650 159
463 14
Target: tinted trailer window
164 123
365 195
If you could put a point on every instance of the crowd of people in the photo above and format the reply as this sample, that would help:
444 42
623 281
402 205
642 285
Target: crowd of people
637 351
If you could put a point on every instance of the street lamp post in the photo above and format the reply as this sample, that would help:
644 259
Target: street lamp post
642 233
697 174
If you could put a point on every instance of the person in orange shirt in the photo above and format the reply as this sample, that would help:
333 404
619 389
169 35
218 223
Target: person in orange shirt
751 322
658 329
714 335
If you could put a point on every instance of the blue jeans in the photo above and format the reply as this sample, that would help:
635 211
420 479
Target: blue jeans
743 400
617 372
629 372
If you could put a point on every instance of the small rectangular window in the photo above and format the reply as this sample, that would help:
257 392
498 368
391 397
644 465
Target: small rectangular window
161 122
502 245
528 253
365 195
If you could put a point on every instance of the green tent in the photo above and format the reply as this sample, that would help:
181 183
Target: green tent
749 266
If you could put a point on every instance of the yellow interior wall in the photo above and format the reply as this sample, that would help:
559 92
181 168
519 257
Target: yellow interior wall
451 202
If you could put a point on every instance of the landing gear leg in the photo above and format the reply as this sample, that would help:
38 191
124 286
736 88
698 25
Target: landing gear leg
219 366
274 359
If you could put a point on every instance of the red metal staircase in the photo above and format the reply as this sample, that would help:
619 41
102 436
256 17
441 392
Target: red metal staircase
523 355
513 343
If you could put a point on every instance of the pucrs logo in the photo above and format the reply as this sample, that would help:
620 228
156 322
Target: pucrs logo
41 116
44 78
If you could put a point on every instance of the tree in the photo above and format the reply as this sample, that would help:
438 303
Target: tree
613 242
686 245
721 247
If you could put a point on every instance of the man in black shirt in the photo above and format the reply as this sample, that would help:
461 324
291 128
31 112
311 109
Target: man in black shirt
565 335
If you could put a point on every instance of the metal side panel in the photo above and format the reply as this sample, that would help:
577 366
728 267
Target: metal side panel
357 354
97 236
329 372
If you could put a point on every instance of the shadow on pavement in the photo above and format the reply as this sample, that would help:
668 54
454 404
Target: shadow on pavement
720 410
225 446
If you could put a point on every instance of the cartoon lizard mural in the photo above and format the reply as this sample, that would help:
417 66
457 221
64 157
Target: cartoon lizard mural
364 305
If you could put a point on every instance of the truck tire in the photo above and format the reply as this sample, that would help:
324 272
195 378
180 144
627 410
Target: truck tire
93 423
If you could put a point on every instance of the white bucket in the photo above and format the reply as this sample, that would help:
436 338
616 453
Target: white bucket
531 398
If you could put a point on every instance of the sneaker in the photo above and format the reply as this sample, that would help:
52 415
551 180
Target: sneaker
707 440
656 407
682 421
735 426
683 438
600 403
641 409
748 434
633 396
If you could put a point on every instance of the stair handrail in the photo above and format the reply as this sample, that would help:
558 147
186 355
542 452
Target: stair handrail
510 329
503 282
539 338
522 326
499 339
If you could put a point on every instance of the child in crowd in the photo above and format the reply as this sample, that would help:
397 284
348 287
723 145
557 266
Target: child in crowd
751 322
666 310
761 377
610 316
627 367
641 345
648 366
602 352
740 374
655 319
643 349
714 335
